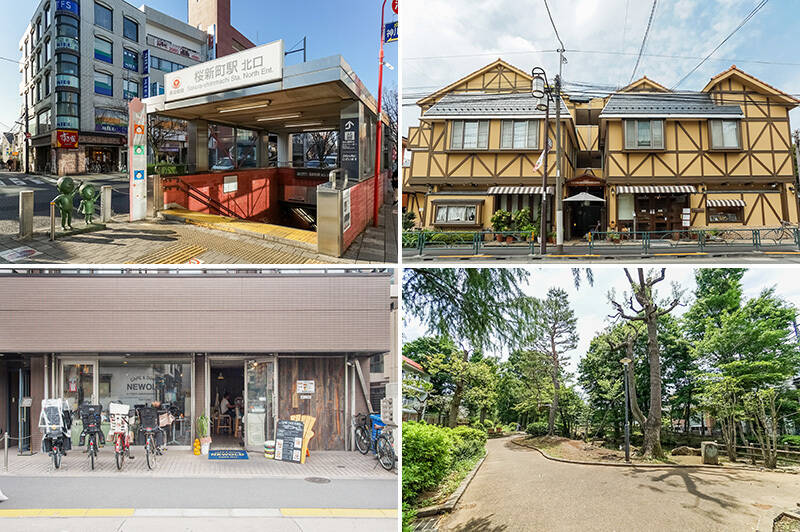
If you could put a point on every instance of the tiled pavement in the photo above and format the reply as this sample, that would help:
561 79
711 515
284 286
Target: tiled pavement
426 524
179 463
377 244
129 243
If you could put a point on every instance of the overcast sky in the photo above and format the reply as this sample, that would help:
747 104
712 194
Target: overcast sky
477 32
590 303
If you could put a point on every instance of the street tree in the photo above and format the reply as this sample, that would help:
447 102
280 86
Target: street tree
555 332
480 309
162 130
322 144
642 305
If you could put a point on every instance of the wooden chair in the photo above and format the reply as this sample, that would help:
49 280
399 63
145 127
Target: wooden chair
223 423
237 426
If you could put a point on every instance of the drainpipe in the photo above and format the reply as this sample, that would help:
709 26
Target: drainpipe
347 414
46 376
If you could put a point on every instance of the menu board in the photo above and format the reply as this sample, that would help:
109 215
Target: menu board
289 441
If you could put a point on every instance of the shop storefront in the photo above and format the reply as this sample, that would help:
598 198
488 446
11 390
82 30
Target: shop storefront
271 345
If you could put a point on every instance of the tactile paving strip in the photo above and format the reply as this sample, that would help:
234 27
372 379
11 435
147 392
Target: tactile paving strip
172 254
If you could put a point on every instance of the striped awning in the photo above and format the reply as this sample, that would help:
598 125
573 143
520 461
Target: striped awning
518 190
656 189
726 203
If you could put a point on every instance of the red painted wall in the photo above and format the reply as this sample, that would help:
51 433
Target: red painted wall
361 206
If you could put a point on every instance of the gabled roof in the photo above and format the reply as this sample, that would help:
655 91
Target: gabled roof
684 103
645 83
733 71
478 104
413 364
480 72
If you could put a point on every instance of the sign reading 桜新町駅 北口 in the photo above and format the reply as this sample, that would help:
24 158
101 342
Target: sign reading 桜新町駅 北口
249 67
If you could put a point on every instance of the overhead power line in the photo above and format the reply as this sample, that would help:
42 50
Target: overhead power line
554 24
644 39
737 28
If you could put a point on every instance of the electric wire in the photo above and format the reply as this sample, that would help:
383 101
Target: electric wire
644 39
554 24
737 28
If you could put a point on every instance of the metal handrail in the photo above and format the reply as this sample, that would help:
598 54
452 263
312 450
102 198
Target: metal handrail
332 177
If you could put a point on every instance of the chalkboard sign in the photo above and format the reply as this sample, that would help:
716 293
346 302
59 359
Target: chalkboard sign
289 441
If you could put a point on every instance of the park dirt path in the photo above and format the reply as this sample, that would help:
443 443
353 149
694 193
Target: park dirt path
518 489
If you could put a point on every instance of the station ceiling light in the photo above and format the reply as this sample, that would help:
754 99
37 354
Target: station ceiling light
243 107
279 117
305 124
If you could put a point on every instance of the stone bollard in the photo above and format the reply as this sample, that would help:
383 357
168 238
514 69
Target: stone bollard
710 452
25 214
105 203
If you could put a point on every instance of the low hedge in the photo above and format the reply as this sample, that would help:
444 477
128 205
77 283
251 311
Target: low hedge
166 169
789 439
537 428
430 452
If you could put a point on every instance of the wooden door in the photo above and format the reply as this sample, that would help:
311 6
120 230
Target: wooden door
326 402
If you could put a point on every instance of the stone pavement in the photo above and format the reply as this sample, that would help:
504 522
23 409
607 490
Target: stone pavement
377 244
184 464
517 489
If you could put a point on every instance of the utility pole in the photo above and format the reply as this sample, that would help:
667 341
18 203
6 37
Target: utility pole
27 132
625 362
559 180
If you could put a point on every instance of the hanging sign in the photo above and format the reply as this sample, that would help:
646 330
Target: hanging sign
305 387
137 158
390 32
66 139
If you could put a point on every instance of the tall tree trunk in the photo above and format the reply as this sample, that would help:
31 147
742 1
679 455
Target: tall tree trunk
652 431
556 385
483 414
455 404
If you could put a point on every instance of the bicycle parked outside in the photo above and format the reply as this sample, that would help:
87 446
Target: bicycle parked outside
149 425
118 416
91 418
56 422
372 434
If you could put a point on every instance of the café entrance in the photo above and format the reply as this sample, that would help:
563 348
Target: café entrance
240 399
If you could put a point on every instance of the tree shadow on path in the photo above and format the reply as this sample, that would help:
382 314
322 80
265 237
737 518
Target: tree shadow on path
484 524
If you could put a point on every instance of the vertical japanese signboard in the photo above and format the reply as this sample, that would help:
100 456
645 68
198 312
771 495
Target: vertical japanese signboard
349 146
137 155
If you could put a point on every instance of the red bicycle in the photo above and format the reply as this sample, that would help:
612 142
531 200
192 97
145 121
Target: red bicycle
118 415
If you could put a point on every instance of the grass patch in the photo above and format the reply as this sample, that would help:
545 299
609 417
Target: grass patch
450 483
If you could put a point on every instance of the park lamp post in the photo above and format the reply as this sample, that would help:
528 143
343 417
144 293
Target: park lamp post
540 90
625 361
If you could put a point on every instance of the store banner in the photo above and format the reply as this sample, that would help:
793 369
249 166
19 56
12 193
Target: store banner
110 120
137 158
68 5
242 69
66 139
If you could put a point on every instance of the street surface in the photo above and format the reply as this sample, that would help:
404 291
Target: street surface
517 489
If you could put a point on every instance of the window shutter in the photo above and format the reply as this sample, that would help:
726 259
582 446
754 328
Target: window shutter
458 130
630 134
533 134
483 134
506 134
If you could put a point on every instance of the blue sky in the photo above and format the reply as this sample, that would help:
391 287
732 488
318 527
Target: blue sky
478 32
352 32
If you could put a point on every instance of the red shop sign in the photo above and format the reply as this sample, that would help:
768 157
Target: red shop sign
66 139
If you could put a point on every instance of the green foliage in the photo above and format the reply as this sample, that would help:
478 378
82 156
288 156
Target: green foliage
409 220
166 169
203 426
409 514
451 238
427 456
790 439
537 428
488 423
467 443
501 220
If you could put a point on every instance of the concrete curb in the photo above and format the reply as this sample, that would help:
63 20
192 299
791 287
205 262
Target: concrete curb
451 501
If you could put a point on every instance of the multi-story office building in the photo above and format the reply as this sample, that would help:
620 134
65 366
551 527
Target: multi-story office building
82 61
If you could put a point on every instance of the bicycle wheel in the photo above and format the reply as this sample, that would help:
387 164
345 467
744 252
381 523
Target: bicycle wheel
385 453
362 439
91 456
57 459
150 452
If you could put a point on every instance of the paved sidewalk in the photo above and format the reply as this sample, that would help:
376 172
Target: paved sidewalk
176 463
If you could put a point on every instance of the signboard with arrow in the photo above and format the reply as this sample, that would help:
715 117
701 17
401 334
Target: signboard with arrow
349 144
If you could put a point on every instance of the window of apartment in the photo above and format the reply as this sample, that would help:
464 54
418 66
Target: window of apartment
67 26
130 29
38 29
103 17
456 214
164 64
48 50
725 134
644 134
43 121
130 60
725 214
67 104
38 91
67 64
377 392
156 88
376 363
130 89
473 134
47 85
519 134
103 50
47 16
103 83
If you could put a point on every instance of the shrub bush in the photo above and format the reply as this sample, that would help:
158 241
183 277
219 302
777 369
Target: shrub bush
166 169
488 423
788 439
467 443
427 457
537 428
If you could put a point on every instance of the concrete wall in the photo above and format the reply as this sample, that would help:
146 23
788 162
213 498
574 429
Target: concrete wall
3 397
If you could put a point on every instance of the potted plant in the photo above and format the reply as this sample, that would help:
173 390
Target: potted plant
204 433
522 221
613 236
551 237
501 221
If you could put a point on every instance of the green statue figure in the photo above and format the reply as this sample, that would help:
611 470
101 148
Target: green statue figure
86 206
64 201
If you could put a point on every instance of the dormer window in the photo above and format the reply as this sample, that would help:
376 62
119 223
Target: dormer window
644 134
725 135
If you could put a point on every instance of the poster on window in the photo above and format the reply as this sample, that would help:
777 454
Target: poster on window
110 120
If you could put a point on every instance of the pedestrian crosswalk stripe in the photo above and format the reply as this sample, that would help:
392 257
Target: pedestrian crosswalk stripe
3 183
37 181
17 181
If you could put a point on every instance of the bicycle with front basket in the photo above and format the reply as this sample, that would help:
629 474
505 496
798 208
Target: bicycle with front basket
372 434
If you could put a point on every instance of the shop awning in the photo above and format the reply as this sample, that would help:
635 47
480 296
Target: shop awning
584 196
656 189
725 203
518 190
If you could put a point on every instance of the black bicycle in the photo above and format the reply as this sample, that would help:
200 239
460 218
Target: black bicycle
148 424
91 434
373 434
